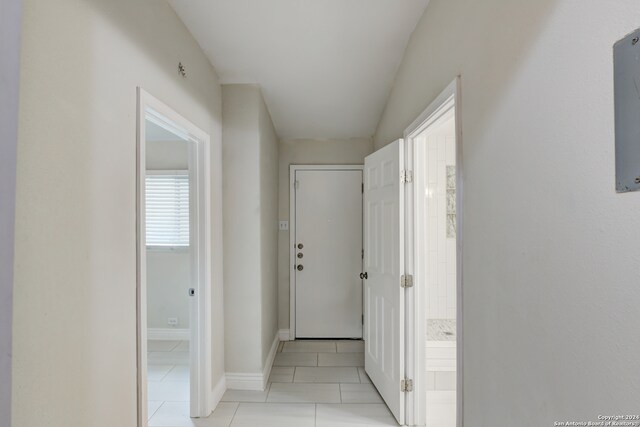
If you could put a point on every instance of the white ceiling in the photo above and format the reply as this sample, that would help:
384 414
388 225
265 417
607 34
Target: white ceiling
154 132
325 66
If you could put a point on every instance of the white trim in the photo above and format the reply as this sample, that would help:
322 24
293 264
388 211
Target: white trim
10 31
284 335
141 264
217 392
266 372
416 298
460 179
168 334
432 113
254 381
244 381
167 171
200 339
292 233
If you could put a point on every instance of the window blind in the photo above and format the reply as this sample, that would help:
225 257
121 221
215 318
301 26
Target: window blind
167 209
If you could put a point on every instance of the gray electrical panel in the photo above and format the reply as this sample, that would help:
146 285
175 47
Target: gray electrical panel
626 58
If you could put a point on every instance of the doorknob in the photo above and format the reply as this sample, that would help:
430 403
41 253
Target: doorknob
300 255
300 267
300 246
364 275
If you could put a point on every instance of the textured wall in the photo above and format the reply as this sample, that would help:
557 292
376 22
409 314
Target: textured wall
250 206
269 232
551 267
75 267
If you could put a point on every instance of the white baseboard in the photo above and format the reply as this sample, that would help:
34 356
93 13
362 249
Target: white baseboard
266 372
283 334
168 334
257 381
242 381
217 392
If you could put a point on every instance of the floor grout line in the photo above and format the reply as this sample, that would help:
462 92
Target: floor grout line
234 414
154 412
266 397
168 372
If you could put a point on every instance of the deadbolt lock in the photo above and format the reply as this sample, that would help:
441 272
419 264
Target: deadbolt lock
300 267
300 246
300 255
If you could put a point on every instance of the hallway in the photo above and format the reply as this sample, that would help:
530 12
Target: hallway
312 384
511 231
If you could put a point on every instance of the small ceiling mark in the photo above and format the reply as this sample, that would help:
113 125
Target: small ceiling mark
181 70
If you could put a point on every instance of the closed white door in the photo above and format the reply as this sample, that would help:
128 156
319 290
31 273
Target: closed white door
384 262
328 253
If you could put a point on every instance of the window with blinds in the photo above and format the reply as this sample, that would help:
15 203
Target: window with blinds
167 209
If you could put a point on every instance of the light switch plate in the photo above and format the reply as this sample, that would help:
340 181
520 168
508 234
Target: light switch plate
284 225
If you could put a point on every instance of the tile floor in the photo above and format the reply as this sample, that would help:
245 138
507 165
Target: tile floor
167 380
312 384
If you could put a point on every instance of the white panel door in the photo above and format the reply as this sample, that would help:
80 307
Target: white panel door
384 262
328 219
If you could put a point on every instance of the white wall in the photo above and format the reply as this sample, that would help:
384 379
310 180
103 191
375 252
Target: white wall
168 283
167 155
10 12
550 250
307 152
250 212
241 203
269 231
75 268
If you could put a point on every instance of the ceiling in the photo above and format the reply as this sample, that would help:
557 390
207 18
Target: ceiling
325 66
155 132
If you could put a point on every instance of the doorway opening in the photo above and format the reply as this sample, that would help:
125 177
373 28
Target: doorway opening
434 256
174 267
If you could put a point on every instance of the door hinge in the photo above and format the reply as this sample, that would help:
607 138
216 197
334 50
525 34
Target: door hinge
363 319
363 254
363 188
406 281
406 385
406 176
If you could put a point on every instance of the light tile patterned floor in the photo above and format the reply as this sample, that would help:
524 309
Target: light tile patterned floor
312 384
168 382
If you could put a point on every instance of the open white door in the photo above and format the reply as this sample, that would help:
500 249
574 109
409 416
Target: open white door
384 263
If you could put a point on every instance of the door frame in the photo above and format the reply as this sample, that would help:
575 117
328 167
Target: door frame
10 34
292 232
200 331
416 296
